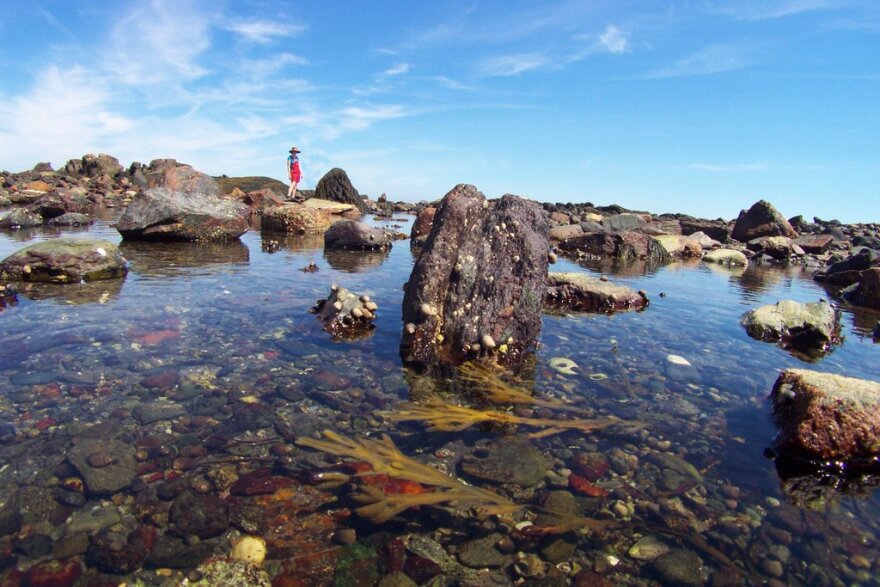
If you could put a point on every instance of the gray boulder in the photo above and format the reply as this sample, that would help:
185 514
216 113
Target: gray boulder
621 246
71 219
64 260
812 328
336 186
106 466
762 219
867 292
166 215
585 293
623 222
20 218
477 288
351 234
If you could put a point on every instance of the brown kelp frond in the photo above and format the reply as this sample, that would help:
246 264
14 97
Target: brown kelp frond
384 457
446 417
498 391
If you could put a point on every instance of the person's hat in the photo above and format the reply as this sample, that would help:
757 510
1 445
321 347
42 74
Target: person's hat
295 150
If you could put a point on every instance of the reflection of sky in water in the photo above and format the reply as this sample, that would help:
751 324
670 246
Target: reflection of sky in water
221 297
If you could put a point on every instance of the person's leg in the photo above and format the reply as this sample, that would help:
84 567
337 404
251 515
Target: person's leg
291 193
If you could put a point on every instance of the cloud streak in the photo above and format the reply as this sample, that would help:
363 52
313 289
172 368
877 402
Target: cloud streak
709 60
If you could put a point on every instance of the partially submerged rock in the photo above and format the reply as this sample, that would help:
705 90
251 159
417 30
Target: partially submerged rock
64 260
20 218
478 286
345 315
762 219
827 416
811 327
867 292
61 201
294 218
726 257
586 293
164 215
351 234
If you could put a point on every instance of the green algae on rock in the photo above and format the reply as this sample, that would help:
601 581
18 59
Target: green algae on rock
64 260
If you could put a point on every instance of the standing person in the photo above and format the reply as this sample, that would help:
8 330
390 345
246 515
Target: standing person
293 172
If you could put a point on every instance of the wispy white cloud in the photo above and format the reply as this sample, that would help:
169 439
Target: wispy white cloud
709 60
613 40
507 65
770 9
264 32
398 69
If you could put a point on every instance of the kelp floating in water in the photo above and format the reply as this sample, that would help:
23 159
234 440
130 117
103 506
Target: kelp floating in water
384 457
498 391
445 417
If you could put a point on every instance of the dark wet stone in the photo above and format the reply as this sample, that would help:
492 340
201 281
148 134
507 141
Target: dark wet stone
35 545
71 498
509 460
174 553
33 377
53 573
679 567
357 565
165 215
396 580
106 480
168 490
192 514
481 552
65 260
421 569
71 545
10 516
153 412
120 552
336 186
354 235
559 550
867 292
421 228
480 276
259 482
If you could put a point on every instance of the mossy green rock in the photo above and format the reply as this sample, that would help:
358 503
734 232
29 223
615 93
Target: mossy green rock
64 260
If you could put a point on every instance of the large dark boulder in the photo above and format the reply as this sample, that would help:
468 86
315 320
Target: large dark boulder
165 215
336 186
178 177
827 416
622 246
64 260
762 219
61 201
478 286
354 235
867 292
715 229
94 166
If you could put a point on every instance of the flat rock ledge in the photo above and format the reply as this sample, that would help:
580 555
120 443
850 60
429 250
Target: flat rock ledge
580 292
64 260
827 416
295 219
161 214
811 327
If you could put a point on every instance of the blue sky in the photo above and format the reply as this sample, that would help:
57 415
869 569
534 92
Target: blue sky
700 106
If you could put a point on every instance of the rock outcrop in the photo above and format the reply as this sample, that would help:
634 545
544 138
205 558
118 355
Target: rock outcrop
61 201
336 186
20 218
680 246
64 260
94 166
585 293
345 315
478 286
716 229
812 328
162 214
867 292
421 228
179 177
827 416
762 219
294 218
354 235
726 257
622 246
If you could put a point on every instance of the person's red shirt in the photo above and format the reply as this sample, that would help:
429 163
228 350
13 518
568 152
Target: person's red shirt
293 169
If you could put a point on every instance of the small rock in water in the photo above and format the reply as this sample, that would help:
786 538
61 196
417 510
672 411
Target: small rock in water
563 365
648 548
679 567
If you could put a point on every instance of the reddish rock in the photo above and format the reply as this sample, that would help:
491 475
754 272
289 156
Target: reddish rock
585 293
815 244
762 219
565 232
178 177
164 380
480 276
580 485
560 218
295 219
422 226
259 482
867 292
59 202
53 573
590 465
827 416
260 199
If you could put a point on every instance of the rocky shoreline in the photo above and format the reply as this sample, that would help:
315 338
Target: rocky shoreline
203 485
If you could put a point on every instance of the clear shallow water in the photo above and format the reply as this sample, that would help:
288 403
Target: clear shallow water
232 321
